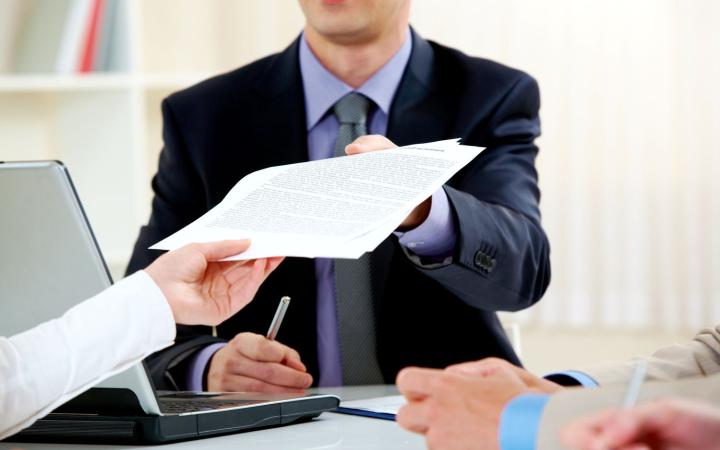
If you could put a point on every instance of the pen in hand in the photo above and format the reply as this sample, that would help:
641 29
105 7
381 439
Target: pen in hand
631 397
293 362
277 320
633 391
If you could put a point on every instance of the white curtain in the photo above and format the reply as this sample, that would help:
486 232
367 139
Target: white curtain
630 152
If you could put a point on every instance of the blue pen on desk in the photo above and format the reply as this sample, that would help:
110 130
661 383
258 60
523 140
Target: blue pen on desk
633 391
277 320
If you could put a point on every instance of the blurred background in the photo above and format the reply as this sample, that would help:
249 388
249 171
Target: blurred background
629 164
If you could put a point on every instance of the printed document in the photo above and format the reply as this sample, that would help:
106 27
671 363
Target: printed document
334 208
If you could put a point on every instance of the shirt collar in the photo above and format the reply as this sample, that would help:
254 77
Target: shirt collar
323 89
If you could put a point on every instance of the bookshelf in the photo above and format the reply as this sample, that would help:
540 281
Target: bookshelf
106 125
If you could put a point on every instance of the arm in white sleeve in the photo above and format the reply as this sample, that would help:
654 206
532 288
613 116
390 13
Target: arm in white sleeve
46 366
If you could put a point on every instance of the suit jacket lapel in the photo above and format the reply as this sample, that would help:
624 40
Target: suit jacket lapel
279 112
416 112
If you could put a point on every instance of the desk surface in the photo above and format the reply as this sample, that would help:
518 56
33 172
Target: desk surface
329 431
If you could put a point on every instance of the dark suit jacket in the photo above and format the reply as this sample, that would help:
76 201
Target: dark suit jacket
222 129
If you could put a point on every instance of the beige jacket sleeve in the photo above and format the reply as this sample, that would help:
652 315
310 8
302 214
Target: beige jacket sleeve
572 404
44 367
699 357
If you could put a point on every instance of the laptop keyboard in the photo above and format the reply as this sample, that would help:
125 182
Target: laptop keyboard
196 405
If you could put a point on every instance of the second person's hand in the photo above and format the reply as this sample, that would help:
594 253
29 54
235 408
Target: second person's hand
252 363
677 424
201 289
460 407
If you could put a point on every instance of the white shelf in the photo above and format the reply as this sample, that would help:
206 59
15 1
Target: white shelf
171 81
29 83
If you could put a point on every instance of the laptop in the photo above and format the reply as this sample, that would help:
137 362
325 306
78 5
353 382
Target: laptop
50 262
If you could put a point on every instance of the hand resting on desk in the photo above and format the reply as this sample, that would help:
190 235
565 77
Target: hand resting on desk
460 407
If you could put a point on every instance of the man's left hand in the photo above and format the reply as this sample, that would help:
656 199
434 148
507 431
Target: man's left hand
375 142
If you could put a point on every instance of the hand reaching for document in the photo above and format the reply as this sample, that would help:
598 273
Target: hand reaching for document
200 289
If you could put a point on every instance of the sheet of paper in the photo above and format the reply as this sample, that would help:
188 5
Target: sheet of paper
335 208
380 405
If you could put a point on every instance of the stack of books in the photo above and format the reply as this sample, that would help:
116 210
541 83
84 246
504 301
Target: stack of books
62 36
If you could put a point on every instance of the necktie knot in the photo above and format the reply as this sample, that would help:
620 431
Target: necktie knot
352 109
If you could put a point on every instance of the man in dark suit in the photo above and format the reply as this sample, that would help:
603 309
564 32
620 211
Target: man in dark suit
432 288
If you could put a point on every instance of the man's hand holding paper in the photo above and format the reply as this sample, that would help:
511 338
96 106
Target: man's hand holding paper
375 142
337 208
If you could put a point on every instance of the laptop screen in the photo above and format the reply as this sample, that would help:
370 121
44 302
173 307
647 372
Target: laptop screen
50 261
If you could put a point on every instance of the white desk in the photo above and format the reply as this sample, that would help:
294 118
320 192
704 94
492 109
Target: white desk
329 431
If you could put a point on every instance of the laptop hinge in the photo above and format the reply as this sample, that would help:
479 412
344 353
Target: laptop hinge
104 401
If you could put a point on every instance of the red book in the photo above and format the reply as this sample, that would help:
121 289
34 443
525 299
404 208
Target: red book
87 62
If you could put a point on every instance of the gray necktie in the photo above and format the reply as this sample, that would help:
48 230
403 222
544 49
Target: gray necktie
353 283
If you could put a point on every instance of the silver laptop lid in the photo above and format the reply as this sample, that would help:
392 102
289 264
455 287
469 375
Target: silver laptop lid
50 260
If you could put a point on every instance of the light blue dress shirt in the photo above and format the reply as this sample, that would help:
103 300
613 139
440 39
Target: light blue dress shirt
520 420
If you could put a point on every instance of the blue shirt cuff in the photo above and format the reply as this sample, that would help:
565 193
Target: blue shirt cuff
572 378
520 422
197 365
436 236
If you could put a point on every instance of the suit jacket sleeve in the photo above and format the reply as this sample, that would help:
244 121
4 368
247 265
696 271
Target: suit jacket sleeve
178 194
502 257
569 405
699 357
179 199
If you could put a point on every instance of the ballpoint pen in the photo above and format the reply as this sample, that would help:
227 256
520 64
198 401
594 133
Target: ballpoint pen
277 320
633 391
631 396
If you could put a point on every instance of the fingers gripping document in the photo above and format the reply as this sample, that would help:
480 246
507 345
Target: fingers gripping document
333 208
